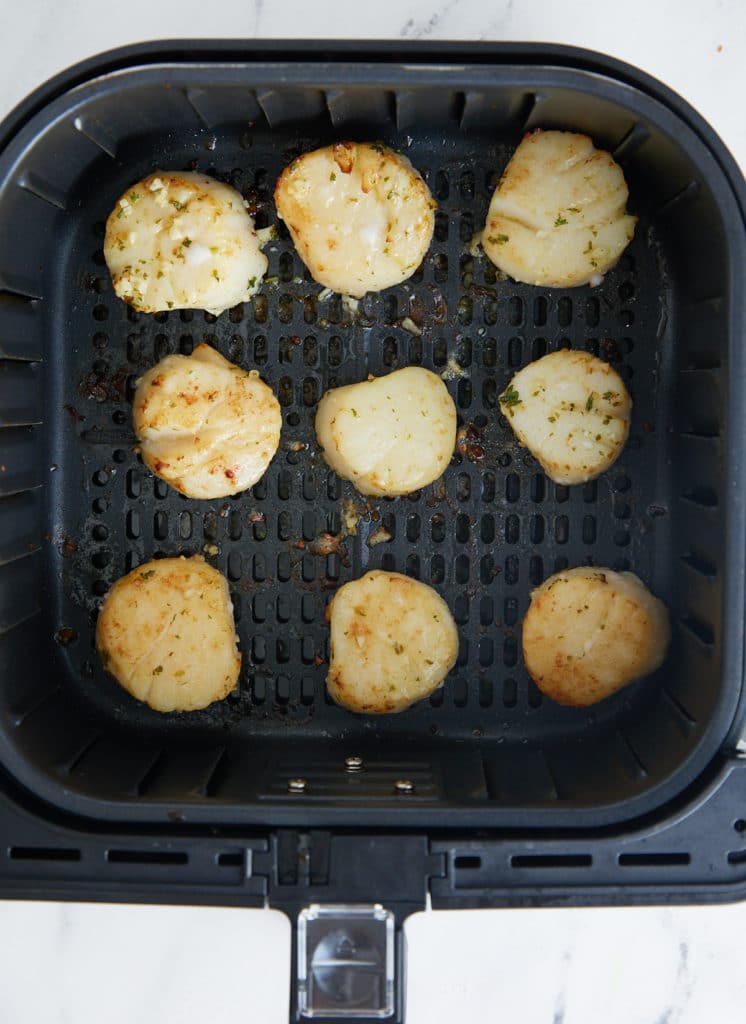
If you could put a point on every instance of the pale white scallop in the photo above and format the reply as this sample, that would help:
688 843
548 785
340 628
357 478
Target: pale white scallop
360 215
181 240
389 435
558 215
572 411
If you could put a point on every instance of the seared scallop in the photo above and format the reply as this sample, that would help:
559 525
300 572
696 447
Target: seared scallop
558 215
166 634
205 426
360 215
572 411
181 240
393 641
389 435
589 632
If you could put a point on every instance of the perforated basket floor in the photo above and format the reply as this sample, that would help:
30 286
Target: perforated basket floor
484 535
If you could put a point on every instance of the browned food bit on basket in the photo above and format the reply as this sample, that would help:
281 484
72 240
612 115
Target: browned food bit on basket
393 641
591 631
389 435
558 215
572 411
181 240
470 442
360 215
166 634
206 426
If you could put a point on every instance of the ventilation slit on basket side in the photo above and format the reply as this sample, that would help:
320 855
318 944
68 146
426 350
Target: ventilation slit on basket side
703 496
220 772
43 190
81 753
526 109
151 773
703 631
700 563
686 194
95 134
192 97
39 701
633 759
635 137
682 715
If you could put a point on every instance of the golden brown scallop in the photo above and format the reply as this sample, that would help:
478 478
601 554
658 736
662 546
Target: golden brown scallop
166 634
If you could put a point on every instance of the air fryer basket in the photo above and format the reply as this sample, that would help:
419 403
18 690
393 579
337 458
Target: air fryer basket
81 509
84 762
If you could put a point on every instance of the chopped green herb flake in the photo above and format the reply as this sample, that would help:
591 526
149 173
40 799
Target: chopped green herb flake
332 176
498 239
560 221
186 242
134 196
147 575
354 412
589 402
157 670
510 397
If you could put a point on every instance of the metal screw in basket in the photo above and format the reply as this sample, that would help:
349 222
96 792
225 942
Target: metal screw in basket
354 764
297 785
404 786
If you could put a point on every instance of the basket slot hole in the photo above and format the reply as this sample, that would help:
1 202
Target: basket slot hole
461 569
551 860
536 570
49 853
488 487
170 857
510 693
461 609
649 860
230 860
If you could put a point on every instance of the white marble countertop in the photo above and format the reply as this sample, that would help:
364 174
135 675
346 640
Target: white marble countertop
83 964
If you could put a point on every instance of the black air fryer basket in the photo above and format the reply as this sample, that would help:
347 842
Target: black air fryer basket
486 794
